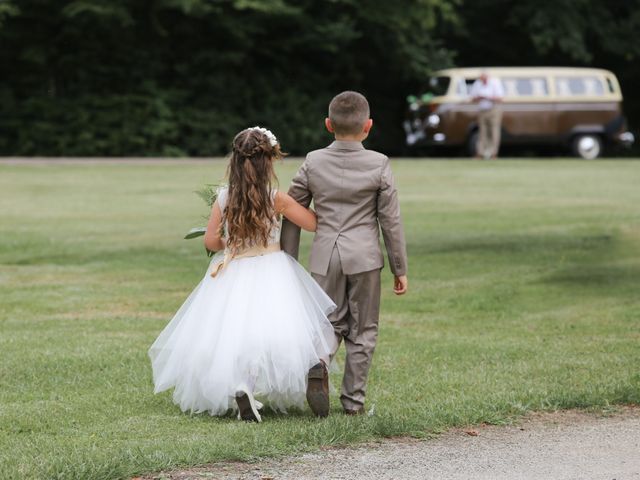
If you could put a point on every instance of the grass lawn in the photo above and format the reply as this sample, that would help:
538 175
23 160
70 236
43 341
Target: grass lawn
524 295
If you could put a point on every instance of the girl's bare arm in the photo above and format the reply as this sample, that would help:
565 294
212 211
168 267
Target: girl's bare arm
295 213
212 239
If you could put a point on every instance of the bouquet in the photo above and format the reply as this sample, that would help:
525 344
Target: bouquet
208 193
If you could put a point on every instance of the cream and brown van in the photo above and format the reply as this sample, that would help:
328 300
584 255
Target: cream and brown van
580 108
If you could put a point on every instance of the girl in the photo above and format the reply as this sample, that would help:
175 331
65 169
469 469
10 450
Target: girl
257 322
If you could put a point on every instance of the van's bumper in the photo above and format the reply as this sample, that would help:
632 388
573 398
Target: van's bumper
415 137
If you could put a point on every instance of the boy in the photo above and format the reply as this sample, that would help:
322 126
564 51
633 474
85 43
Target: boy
354 196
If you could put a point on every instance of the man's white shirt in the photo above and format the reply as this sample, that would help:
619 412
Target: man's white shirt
493 88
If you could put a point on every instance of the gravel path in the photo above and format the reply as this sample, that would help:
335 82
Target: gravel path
555 446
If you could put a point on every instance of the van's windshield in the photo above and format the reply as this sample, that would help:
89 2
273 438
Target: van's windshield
437 86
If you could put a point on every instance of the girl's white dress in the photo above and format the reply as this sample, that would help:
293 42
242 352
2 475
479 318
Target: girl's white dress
260 323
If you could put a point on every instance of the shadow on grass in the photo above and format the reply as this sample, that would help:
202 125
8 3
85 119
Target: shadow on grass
162 404
535 243
37 251
597 276
126 257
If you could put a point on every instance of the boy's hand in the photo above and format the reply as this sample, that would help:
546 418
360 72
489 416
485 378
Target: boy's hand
400 284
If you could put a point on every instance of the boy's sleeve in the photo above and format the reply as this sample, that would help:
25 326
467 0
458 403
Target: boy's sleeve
390 222
299 191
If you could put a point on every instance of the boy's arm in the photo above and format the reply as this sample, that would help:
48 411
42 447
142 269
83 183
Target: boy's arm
299 191
390 222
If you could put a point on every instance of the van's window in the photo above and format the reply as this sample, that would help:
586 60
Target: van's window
464 86
579 86
525 86
438 86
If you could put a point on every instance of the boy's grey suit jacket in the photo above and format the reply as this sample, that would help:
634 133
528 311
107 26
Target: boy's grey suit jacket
354 196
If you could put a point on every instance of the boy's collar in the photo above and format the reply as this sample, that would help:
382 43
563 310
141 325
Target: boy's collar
346 145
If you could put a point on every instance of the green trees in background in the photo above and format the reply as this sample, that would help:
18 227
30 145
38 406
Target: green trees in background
181 77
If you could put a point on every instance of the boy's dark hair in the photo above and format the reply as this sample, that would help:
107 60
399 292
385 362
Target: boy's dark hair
348 112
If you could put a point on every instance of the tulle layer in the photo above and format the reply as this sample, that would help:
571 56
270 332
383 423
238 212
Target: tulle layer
261 323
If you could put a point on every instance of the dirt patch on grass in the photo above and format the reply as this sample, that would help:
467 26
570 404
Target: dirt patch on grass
561 445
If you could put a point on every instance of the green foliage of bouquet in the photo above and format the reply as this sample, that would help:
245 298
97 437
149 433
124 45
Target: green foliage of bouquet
209 193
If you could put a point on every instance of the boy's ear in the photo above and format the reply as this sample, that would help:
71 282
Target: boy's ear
367 125
327 123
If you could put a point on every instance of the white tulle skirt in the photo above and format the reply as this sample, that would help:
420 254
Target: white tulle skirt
261 323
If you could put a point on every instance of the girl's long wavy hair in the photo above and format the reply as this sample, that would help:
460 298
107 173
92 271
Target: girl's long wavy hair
250 213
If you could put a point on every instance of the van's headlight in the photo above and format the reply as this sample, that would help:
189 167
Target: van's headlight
433 120
414 107
626 138
439 137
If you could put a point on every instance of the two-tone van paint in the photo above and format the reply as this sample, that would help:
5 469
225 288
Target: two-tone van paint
580 108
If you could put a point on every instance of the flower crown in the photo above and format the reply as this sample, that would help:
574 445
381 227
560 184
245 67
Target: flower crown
267 133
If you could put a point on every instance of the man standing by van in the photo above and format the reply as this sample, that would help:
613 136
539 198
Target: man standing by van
488 93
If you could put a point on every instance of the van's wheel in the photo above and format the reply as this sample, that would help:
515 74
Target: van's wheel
587 146
472 143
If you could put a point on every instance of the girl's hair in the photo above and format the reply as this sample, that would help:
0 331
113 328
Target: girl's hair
250 213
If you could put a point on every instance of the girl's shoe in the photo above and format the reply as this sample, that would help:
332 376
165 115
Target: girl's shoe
247 406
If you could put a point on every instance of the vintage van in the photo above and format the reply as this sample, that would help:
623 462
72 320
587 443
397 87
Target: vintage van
579 108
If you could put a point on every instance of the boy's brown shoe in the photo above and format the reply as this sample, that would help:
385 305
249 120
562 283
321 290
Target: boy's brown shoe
318 390
357 411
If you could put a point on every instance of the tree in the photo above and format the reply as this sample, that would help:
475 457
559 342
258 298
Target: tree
181 77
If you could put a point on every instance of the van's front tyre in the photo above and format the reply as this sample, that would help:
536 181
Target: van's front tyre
588 146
